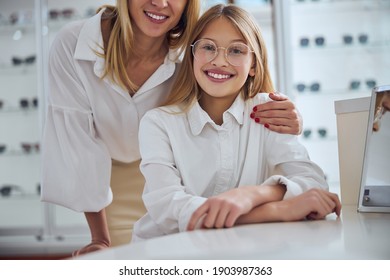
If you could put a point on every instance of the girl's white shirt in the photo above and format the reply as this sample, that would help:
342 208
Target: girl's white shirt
90 120
186 158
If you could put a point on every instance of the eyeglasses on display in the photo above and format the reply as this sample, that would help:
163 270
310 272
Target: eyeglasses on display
66 13
236 54
322 132
29 147
21 17
25 103
314 87
7 190
355 84
348 39
305 42
28 60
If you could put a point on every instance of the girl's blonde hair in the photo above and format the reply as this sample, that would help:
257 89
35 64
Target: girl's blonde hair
186 90
121 43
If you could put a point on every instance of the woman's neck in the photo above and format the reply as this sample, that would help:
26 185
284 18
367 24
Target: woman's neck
149 49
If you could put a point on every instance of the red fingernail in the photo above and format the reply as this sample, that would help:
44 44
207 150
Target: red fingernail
254 109
266 125
257 120
252 115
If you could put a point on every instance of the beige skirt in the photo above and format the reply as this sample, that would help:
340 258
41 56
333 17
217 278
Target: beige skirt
127 184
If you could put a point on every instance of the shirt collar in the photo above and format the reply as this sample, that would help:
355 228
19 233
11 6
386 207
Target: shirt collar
198 118
90 39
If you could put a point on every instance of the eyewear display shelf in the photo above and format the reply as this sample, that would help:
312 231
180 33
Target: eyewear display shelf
339 49
30 228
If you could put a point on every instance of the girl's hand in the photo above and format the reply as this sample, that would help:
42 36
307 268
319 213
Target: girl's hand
224 209
279 115
315 204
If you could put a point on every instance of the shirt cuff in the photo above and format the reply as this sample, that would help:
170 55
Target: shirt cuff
188 210
292 188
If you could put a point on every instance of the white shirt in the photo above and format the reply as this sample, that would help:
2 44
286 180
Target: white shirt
187 157
90 121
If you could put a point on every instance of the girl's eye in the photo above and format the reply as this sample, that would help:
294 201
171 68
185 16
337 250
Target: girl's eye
235 51
238 50
208 47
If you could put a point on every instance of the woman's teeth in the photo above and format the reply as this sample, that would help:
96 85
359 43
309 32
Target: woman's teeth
156 17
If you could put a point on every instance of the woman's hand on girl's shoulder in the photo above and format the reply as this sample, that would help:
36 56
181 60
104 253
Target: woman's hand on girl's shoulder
279 115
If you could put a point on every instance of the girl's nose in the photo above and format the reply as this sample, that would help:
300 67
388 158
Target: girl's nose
220 58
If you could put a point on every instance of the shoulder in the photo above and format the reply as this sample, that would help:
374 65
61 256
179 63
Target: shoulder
163 114
70 32
259 98
65 41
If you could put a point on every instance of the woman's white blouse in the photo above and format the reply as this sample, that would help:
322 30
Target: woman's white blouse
90 120
187 157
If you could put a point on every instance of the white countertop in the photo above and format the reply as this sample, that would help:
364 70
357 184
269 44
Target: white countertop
352 236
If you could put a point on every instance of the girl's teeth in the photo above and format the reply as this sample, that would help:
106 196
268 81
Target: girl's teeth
218 76
156 17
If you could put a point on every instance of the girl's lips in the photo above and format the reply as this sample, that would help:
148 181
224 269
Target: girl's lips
156 17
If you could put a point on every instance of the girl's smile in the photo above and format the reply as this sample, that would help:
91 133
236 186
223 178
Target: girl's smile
217 75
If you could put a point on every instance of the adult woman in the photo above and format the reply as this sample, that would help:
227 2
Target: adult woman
105 73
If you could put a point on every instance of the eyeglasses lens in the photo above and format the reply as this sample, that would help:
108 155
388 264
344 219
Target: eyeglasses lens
320 41
5 191
348 39
206 50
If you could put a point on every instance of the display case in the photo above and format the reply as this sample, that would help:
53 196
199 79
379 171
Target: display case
21 212
339 49
27 225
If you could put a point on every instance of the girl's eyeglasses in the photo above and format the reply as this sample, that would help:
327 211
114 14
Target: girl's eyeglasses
236 54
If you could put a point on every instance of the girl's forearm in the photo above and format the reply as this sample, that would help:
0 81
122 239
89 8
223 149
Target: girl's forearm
270 193
264 213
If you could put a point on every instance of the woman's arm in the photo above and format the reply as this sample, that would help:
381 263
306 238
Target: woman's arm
76 164
279 115
97 223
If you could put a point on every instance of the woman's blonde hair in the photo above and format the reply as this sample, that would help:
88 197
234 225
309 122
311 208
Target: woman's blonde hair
186 90
121 44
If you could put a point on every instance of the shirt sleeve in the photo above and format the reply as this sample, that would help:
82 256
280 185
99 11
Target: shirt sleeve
169 203
291 165
76 164
288 162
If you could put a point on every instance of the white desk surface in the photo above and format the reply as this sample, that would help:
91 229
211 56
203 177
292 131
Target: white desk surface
352 236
